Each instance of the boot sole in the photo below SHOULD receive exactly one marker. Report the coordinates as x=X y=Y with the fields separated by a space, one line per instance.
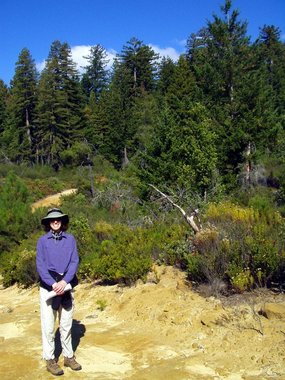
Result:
x=73 y=369
x=56 y=374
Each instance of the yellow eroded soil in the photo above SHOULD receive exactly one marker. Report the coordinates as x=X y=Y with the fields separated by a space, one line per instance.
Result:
x=162 y=331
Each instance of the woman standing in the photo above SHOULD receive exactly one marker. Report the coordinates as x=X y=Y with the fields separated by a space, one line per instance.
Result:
x=57 y=262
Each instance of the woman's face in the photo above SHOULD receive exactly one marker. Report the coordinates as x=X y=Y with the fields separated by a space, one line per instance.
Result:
x=55 y=225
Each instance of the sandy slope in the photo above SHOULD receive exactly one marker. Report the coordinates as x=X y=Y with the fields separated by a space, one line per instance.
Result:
x=162 y=331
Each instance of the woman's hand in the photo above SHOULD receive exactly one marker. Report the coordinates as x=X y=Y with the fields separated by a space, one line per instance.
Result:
x=58 y=287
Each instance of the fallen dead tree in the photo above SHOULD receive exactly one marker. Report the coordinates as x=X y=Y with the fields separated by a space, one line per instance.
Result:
x=189 y=218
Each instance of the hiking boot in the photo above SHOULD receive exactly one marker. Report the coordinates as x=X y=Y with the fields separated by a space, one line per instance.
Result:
x=54 y=368
x=72 y=363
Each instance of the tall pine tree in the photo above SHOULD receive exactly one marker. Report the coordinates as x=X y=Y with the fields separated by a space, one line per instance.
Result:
x=219 y=58
x=269 y=54
x=60 y=106
x=19 y=133
x=133 y=77
x=141 y=61
x=95 y=77
x=3 y=116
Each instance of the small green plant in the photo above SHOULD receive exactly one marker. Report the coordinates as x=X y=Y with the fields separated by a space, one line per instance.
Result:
x=242 y=281
x=102 y=304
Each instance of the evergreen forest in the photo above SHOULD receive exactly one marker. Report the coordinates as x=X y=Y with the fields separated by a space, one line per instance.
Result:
x=208 y=130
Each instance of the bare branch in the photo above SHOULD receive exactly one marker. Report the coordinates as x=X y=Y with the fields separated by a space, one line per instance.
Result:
x=189 y=218
x=6 y=159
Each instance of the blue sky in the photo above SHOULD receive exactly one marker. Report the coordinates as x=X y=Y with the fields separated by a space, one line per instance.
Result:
x=163 y=24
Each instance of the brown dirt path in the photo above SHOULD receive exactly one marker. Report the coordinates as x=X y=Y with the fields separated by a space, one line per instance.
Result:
x=162 y=331
x=52 y=200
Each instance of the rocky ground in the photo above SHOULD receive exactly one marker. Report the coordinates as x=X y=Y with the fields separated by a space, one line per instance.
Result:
x=160 y=330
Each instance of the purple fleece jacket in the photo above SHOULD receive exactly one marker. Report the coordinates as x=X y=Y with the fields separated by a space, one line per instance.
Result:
x=59 y=256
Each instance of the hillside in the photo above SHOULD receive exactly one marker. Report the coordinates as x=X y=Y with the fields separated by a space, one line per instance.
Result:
x=151 y=331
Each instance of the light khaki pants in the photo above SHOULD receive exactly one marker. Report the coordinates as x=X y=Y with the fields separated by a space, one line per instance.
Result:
x=48 y=318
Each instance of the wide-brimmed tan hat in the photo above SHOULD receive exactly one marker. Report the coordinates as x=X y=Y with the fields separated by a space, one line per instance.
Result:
x=55 y=213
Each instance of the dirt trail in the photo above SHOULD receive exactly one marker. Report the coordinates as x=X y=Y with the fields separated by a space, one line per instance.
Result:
x=52 y=200
x=162 y=331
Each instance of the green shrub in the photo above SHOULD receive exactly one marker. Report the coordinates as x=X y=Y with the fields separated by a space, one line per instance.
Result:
x=86 y=268
x=26 y=271
x=19 y=267
x=16 y=218
x=241 y=279
x=83 y=234
x=171 y=244
x=126 y=254
x=194 y=267
x=122 y=254
x=262 y=203
x=103 y=230
x=244 y=247
x=211 y=254
x=8 y=268
x=125 y=258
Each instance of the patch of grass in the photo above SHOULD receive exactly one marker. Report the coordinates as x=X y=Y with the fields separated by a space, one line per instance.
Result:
x=102 y=304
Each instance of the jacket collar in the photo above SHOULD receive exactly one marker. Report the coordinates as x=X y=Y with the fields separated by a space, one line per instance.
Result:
x=49 y=235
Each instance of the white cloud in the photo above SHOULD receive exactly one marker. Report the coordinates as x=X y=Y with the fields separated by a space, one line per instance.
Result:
x=169 y=52
x=111 y=55
x=40 y=65
x=78 y=53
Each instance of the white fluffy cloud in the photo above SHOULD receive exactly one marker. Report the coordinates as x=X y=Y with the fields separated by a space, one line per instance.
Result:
x=169 y=52
x=79 y=52
x=40 y=65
